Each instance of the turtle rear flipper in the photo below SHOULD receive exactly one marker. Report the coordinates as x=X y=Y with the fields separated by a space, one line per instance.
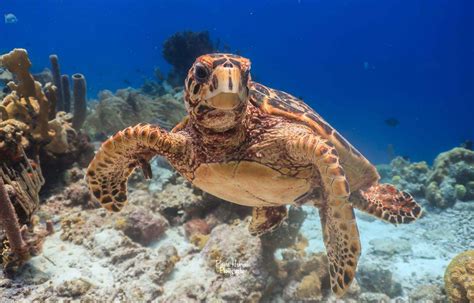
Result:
x=386 y=202
x=266 y=219
x=341 y=238
x=132 y=147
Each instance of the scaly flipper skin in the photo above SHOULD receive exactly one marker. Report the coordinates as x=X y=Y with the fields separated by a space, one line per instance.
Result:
x=132 y=147
x=386 y=202
x=266 y=219
x=341 y=237
x=340 y=232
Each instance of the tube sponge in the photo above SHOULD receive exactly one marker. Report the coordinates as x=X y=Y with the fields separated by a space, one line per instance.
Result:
x=57 y=81
x=9 y=222
x=66 y=93
x=80 y=105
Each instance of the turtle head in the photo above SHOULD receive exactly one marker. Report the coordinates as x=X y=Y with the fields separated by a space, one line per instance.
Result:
x=216 y=91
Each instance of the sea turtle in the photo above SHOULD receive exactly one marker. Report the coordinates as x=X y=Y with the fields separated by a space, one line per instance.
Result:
x=259 y=147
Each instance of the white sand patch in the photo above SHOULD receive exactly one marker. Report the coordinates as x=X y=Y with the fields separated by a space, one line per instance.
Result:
x=174 y=236
x=63 y=261
x=191 y=270
x=430 y=246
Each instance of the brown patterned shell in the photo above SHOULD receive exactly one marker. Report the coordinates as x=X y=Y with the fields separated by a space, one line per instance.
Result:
x=361 y=173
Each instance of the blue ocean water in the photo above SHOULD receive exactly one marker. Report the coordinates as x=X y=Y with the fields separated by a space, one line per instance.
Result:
x=357 y=63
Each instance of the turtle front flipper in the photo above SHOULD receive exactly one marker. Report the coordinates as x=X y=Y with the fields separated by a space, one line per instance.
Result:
x=340 y=232
x=386 y=202
x=266 y=219
x=116 y=159
x=341 y=238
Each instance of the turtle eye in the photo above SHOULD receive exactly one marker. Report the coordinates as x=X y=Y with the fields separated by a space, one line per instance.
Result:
x=201 y=73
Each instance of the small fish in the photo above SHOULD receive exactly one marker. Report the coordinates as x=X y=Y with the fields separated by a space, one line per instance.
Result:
x=368 y=66
x=10 y=18
x=127 y=82
x=392 y=122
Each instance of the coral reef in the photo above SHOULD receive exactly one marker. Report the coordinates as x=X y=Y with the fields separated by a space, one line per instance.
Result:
x=452 y=178
x=43 y=77
x=29 y=117
x=410 y=177
x=31 y=128
x=181 y=49
x=459 y=278
x=113 y=112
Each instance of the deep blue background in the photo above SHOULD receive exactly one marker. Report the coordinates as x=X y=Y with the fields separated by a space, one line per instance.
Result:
x=419 y=53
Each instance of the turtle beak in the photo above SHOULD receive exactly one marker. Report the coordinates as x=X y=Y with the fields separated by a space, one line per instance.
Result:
x=228 y=91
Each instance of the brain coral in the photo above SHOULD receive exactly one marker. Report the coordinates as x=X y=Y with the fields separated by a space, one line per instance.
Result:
x=459 y=278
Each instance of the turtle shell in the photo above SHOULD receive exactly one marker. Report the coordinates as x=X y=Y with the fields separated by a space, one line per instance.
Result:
x=360 y=172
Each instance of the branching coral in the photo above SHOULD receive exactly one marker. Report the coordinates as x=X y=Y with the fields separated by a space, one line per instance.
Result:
x=459 y=278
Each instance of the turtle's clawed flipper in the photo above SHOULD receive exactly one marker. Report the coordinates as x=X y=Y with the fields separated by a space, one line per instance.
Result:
x=133 y=147
x=341 y=238
x=386 y=202
x=266 y=219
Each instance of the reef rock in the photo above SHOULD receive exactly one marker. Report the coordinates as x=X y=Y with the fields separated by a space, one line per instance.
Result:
x=236 y=257
x=141 y=225
x=304 y=278
x=78 y=194
x=372 y=278
x=410 y=177
x=114 y=112
x=452 y=178
x=428 y=293
x=73 y=288
x=371 y=297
